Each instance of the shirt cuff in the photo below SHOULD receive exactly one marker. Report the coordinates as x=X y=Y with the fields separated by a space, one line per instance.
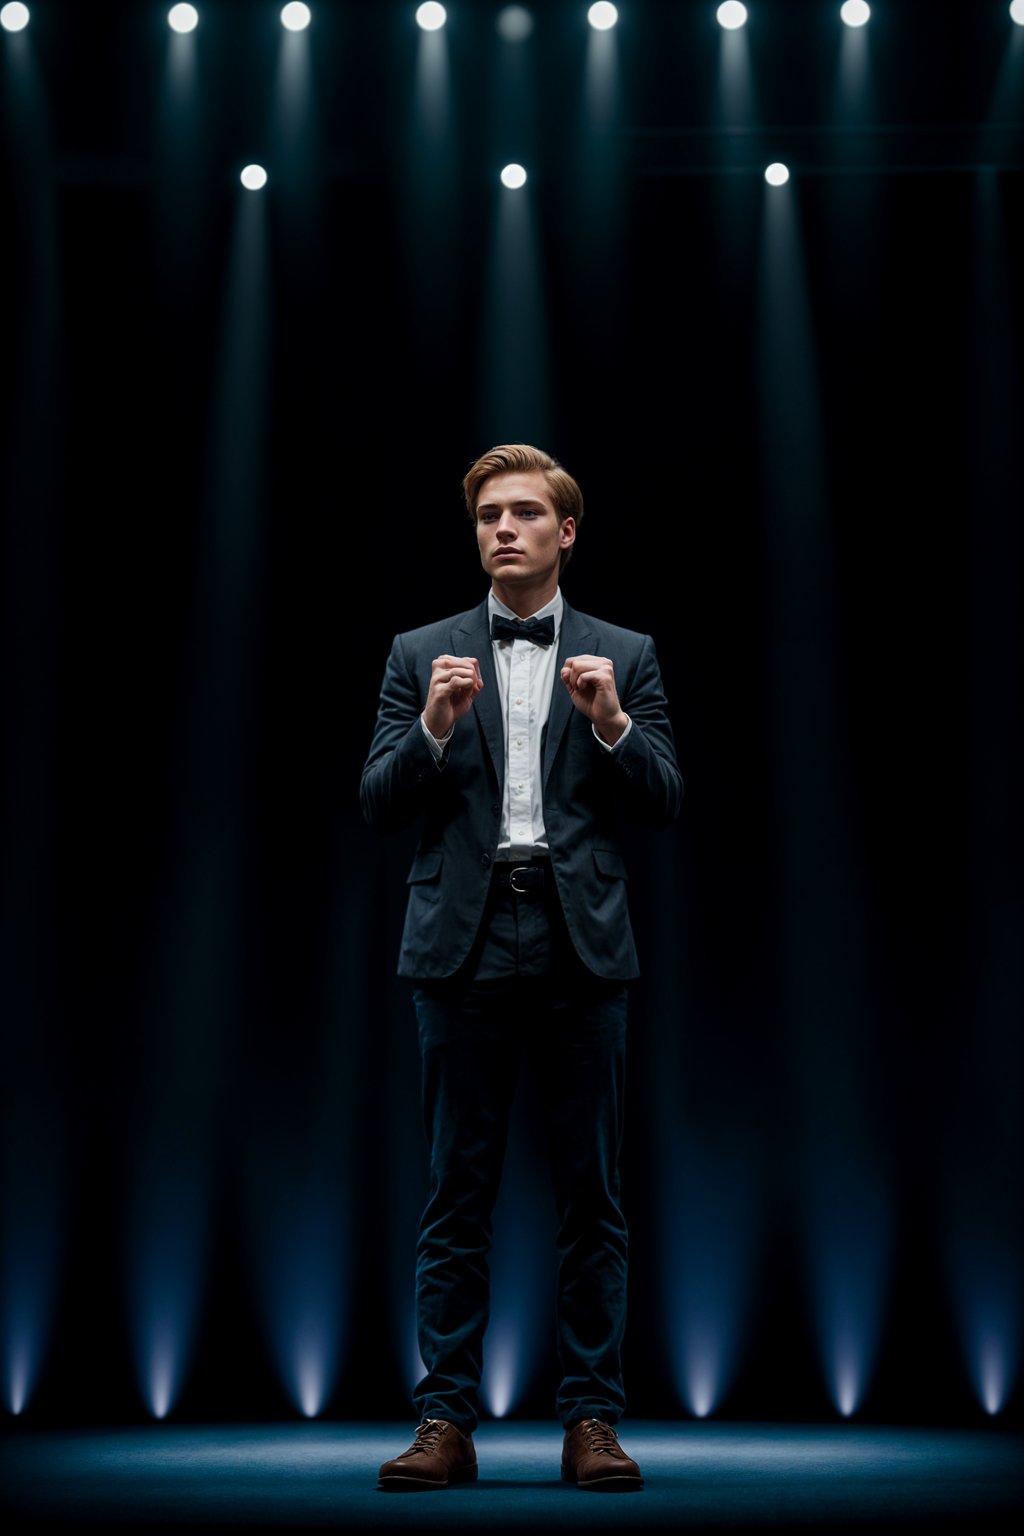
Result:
x=602 y=744
x=436 y=747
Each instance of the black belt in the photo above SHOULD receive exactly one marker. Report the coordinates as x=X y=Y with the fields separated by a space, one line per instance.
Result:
x=523 y=877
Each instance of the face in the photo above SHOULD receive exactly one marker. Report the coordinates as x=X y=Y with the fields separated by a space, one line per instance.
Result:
x=518 y=532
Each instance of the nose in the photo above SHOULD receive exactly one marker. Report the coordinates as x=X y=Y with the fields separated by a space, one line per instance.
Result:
x=505 y=527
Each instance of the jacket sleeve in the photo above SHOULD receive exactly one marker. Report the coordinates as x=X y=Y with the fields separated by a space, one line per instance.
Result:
x=649 y=783
x=400 y=773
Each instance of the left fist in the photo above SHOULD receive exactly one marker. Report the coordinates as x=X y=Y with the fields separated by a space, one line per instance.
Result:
x=591 y=684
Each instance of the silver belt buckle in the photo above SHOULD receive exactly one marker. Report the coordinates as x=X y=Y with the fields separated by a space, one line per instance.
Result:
x=520 y=890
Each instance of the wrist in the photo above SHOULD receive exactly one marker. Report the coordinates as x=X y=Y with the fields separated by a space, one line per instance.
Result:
x=611 y=730
x=439 y=729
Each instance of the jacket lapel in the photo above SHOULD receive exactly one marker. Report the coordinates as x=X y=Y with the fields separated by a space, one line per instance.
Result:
x=574 y=639
x=472 y=637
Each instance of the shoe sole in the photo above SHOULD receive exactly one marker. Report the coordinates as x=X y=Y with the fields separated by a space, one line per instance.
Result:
x=605 y=1484
x=426 y=1485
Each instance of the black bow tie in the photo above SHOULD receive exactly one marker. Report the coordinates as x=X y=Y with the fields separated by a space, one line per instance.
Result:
x=540 y=631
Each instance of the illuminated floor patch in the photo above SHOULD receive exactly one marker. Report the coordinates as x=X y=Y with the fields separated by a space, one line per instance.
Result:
x=700 y=1477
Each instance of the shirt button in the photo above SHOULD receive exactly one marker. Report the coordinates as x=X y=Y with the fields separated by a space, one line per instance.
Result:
x=519 y=701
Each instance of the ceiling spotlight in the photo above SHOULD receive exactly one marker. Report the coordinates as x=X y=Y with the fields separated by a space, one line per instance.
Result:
x=430 y=16
x=514 y=23
x=296 y=17
x=777 y=174
x=855 y=12
x=253 y=177
x=513 y=176
x=14 y=18
x=183 y=18
x=602 y=16
x=731 y=15
x=1016 y=11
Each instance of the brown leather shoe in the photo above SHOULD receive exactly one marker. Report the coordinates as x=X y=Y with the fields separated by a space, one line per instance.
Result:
x=593 y=1458
x=440 y=1454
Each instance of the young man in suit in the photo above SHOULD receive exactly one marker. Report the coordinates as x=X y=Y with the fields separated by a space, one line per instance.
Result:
x=519 y=733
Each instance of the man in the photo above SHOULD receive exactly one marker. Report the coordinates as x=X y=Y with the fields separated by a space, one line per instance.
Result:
x=519 y=732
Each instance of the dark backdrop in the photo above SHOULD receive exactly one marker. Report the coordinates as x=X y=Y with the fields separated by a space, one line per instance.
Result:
x=235 y=430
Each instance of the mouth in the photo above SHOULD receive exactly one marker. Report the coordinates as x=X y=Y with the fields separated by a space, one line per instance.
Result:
x=507 y=554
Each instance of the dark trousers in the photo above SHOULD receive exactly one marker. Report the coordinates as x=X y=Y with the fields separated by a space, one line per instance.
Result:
x=524 y=991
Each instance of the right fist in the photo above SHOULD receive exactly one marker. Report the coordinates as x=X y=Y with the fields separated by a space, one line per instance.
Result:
x=455 y=682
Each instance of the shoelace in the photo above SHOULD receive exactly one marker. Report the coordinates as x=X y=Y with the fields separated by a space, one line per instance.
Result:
x=600 y=1437
x=428 y=1434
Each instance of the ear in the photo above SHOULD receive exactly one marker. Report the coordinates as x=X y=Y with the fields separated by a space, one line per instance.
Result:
x=567 y=533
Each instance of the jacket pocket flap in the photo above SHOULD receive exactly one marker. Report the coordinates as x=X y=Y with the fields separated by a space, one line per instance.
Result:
x=425 y=866
x=610 y=862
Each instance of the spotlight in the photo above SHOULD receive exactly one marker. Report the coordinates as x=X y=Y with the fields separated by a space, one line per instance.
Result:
x=777 y=174
x=703 y=1352
x=991 y=1375
x=160 y=1386
x=499 y=1376
x=513 y=176
x=14 y=18
x=253 y=177
x=602 y=16
x=310 y=1376
x=855 y=12
x=848 y=1373
x=430 y=16
x=1016 y=11
x=296 y=17
x=514 y=23
x=183 y=18
x=18 y=1374
x=731 y=15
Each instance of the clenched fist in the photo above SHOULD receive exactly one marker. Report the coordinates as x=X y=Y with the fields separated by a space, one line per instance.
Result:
x=455 y=682
x=591 y=684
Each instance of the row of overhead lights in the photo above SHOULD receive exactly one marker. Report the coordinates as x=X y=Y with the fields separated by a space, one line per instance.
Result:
x=514 y=22
x=513 y=176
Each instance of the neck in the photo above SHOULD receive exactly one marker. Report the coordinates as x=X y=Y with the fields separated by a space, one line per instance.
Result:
x=527 y=600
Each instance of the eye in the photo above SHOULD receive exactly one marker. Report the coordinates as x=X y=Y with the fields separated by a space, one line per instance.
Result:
x=486 y=517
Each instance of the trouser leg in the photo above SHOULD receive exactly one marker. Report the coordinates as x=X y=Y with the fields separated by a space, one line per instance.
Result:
x=469 y=1058
x=581 y=1077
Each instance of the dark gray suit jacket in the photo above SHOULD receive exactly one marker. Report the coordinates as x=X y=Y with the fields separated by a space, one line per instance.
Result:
x=584 y=790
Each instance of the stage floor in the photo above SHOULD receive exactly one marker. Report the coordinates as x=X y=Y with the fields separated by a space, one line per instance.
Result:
x=699 y=1477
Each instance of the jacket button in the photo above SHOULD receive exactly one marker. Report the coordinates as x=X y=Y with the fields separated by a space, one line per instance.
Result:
x=485 y=860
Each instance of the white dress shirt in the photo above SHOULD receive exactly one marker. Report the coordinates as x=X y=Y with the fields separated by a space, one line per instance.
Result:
x=526 y=675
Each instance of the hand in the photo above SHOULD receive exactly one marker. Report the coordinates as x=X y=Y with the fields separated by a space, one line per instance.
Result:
x=591 y=684
x=455 y=682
